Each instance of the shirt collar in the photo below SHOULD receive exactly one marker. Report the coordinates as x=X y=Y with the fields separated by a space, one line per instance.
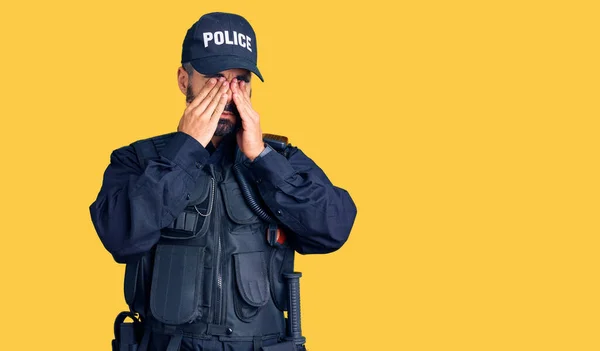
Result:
x=226 y=148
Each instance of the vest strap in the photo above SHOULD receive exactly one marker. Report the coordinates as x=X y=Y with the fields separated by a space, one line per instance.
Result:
x=145 y=340
x=175 y=342
x=196 y=329
x=284 y=346
x=257 y=343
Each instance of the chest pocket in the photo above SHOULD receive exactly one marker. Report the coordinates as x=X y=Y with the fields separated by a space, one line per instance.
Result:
x=195 y=218
x=236 y=206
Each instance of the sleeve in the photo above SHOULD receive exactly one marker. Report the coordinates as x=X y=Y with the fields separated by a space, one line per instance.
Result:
x=134 y=203
x=319 y=214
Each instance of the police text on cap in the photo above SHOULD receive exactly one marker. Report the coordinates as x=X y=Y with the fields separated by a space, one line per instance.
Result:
x=220 y=38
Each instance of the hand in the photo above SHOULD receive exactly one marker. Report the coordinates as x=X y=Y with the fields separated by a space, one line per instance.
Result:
x=249 y=137
x=201 y=116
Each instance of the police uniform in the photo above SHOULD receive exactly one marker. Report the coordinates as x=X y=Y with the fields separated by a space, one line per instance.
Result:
x=207 y=235
x=201 y=255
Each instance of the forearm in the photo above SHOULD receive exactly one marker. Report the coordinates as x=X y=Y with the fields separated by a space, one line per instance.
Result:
x=298 y=192
x=134 y=204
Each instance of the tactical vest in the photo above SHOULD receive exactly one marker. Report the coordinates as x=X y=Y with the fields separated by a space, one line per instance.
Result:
x=213 y=271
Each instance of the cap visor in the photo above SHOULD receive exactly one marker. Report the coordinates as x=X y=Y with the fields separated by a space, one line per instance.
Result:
x=216 y=64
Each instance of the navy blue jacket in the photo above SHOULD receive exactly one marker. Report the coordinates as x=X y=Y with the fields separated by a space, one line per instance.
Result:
x=134 y=203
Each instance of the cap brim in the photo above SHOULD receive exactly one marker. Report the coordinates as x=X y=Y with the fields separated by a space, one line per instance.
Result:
x=216 y=64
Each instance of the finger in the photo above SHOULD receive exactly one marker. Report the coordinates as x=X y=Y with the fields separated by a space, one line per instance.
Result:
x=234 y=85
x=215 y=101
x=215 y=93
x=240 y=86
x=210 y=109
x=241 y=105
x=245 y=100
x=208 y=92
x=245 y=91
x=209 y=86
x=240 y=92
x=219 y=108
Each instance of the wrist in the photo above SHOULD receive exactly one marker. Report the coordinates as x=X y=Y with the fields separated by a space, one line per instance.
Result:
x=252 y=155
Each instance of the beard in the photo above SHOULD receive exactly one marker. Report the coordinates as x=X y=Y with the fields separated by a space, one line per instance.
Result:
x=224 y=126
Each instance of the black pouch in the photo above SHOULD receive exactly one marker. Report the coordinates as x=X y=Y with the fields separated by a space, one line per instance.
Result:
x=136 y=284
x=127 y=335
x=195 y=219
x=253 y=290
x=176 y=291
x=236 y=206
x=281 y=261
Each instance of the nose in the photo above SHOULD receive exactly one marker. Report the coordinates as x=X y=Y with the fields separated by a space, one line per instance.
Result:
x=229 y=95
x=231 y=82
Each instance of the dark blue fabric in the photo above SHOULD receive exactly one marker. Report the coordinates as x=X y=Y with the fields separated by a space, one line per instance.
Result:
x=135 y=203
x=159 y=342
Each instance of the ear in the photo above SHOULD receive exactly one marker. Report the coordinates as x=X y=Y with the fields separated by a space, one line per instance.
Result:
x=182 y=80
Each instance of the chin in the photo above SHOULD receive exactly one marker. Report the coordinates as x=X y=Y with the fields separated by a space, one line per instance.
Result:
x=226 y=126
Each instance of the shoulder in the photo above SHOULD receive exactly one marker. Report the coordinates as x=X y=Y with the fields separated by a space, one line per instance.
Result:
x=280 y=143
x=137 y=151
x=154 y=140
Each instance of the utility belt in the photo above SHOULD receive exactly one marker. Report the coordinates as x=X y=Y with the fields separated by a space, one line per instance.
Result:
x=196 y=329
x=136 y=336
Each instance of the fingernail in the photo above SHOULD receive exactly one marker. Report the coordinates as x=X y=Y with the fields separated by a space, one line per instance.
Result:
x=212 y=81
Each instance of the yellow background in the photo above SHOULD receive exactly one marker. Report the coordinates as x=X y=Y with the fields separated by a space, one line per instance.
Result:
x=466 y=132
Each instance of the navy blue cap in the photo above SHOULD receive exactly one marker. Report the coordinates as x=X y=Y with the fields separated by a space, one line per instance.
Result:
x=220 y=41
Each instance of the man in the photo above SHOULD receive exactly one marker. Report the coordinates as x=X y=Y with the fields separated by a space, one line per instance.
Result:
x=208 y=218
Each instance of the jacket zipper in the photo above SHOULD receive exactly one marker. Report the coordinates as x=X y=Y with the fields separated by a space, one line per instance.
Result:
x=219 y=282
x=219 y=274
